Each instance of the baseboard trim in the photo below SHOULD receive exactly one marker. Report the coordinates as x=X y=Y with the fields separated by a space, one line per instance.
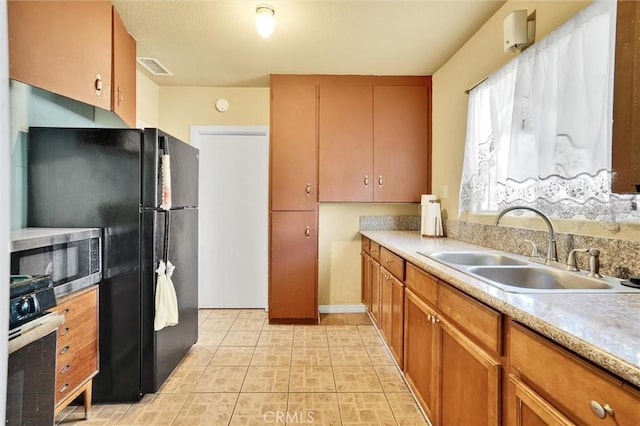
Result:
x=342 y=309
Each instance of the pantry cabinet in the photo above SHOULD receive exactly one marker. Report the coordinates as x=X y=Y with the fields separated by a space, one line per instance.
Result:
x=293 y=145
x=76 y=49
x=293 y=293
x=374 y=140
x=77 y=348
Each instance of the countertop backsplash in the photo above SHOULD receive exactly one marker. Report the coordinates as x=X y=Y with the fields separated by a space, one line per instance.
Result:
x=389 y=223
x=618 y=258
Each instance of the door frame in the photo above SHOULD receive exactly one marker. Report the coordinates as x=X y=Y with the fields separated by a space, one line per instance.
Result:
x=196 y=132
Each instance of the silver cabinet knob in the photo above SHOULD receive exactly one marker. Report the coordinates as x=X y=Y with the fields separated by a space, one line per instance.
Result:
x=366 y=180
x=380 y=180
x=307 y=232
x=308 y=189
x=98 y=84
x=599 y=411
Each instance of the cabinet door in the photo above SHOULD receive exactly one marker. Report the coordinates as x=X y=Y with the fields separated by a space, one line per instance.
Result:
x=63 y=47
x=345 y=143
x=469 y=381
x=366 y=280
x=293 y=292
x=420 y=362
x=526 y=408
x=401 y=143
x=386 y=301
x=123 y=93
x=293 y=147
x=374 y=303
x=397 y=320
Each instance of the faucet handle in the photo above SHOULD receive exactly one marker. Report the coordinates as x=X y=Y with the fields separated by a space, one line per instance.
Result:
x=594 y=263
x=571 y=259
x=534 y=248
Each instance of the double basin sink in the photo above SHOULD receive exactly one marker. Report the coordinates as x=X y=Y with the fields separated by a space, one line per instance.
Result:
x=513 y=274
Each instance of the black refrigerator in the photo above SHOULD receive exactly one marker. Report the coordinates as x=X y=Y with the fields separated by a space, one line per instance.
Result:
x=111 y=179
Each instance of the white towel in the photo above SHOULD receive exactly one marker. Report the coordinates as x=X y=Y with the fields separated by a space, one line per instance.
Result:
x=166 y=300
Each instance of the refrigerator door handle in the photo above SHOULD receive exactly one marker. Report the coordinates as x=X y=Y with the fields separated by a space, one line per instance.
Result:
x=167 y=229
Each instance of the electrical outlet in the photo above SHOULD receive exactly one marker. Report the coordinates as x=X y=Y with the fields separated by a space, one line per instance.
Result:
x=444 y=190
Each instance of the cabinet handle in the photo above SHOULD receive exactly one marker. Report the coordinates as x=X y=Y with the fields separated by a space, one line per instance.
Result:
x=307 y=232
x=380 y=180
x=64 y=350
x=387 y=261
x=64 y=331
x=64 y=369
x=600 y=411
x=308 y=189
x=430 y=317
x=98 y=84
x=65 y=312
x=120 y=97
x=63 y=387
x=366 y=180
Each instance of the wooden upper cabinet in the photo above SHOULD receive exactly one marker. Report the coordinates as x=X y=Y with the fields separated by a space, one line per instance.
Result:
x=123 y=94
x=401 y=143
x=63 y=47
x=345 y=143
x=293 y=146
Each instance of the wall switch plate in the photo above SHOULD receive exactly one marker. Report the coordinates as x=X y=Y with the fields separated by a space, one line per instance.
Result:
x=444 y=190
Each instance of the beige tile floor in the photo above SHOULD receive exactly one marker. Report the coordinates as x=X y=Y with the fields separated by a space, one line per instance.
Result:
x=244 y=371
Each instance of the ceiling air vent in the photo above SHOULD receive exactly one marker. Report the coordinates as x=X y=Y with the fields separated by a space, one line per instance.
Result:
x=154 y=66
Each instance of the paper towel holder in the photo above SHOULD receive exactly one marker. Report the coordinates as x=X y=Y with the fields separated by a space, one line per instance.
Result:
x=431 y=223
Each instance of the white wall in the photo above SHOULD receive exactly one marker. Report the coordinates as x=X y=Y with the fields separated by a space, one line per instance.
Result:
x=4 y=205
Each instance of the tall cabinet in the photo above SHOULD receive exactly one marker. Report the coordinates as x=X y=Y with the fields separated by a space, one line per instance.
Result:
x=293 y=283
x=340 y=139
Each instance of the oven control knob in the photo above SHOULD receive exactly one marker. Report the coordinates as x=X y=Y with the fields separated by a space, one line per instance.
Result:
x=26 y=307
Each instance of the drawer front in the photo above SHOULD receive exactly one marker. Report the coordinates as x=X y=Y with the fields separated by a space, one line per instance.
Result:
x=75 y=369
x=375 y=250
x=366 y=245
x=392 y=263
x=481 y=323
x=571 y=384
x=422 y=284
x=75 y=307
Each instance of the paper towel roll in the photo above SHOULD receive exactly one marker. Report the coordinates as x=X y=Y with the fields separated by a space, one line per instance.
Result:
x=431 y=224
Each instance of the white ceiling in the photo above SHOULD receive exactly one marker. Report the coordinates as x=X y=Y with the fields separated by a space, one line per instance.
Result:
x=215 y=43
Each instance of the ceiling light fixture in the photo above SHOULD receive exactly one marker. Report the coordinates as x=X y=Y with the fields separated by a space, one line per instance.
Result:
x=265 y=20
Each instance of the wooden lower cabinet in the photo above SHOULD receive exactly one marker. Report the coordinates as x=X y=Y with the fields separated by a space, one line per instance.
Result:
x=420 y=362
x=392 y=313
x=293 y=285
x=77 y=348
x=566 y=386
x=366 y=279
x=374 y=304
x=529 y=409
x=469 y=380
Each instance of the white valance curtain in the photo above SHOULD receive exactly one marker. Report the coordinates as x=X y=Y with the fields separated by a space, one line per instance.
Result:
x=539 y=129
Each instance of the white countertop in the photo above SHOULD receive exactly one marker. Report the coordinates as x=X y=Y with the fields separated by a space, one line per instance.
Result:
x=603 y=328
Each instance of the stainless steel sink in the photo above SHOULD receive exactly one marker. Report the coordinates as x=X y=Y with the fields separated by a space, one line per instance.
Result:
x=472 y=258
x=535 y=278
x=513 y=273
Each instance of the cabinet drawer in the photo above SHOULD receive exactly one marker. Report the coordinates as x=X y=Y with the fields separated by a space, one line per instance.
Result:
x=392 y=262
x=422 y=284
x=570 y=383
x=75 y=307
x=375 y=250
x=75 y=369
x=479 y=322
x=366 y=244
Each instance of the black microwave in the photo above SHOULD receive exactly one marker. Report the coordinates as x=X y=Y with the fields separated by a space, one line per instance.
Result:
x=71 y=256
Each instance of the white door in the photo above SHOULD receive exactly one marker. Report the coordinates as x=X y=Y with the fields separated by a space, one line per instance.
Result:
x=233 y=225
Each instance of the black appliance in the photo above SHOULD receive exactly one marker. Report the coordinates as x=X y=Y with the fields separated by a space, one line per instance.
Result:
x=111 y=179
x=31 y=373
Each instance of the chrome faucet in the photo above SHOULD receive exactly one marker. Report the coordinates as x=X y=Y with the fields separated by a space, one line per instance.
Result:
x=594 y=261
x=552 y=255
